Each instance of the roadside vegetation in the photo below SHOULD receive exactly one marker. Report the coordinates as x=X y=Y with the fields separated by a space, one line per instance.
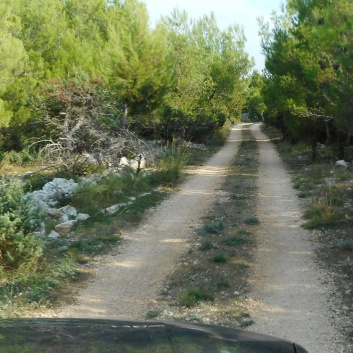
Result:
x=37 y=271
x=84 y=87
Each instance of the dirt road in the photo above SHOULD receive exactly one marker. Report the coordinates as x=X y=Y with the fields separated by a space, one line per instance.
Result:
x=292 y=295
x=127 y=282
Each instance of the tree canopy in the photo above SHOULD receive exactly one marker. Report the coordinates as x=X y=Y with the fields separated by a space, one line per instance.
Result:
x=308 y=75
x=182 y=69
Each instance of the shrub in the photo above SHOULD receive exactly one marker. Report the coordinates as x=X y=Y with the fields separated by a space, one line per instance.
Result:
x=214 y=228
x=346 y=244
x=169 y=167
x=208 y=245
x=251 y=221
x=234 y=241
x=20 y=249
x=321 y=214
x=220 y=258
x=193 y=295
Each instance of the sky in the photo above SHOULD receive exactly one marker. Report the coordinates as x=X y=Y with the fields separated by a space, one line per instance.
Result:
x=227 y=12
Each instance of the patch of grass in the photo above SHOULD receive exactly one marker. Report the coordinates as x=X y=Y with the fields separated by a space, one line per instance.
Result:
x=344 y=175
x=321 y=214
x=345 y=244
x=304 y=194
x=169 y=168
x=252 y=221
x=220 y=284
x=247 y=323
x=220 y=258
x=243 y=232
x=152 y=315
x=214 y=228
x=192 y=296
x=208 y=245
x=285 y=148
x=234 y=241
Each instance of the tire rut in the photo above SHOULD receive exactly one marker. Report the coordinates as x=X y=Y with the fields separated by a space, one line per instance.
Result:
x=293 y=295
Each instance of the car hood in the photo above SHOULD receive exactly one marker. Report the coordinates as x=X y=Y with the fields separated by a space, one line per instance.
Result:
x=108 y=336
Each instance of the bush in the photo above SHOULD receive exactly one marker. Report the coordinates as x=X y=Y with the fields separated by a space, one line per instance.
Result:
x=220 y=258
x=20 y=249
x=169 y=167
x=17 y=158
x=192 y=296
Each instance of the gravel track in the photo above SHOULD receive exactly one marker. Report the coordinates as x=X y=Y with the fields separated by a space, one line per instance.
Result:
x=292 y=294
x=126 y=283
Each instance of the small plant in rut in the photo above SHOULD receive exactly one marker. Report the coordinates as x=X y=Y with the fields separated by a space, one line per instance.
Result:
x=251 y=221
x=193 y=295
x=220 y=258
x=234 y=241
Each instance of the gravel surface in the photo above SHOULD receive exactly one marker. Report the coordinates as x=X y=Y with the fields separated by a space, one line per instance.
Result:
x=126 y=283
x=292 y=295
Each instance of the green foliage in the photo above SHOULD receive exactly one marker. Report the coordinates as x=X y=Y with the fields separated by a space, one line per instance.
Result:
x=214 y=228
x=252 y=221
x=191 y=66
x=193 y=295
x=308 y=71
x=321 y=214
x=152 y=315
x=255 y=105
x=17 y=158
x=169 y=166
x=220 y=258
x=210 y=68
x=20 y=249
x=112 y=189
x=208 y=245
x=234 y=241
x=346 y=244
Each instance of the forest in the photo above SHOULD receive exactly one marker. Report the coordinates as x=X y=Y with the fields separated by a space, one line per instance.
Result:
x=307 y=83
x=70 y=64
x=83 y=77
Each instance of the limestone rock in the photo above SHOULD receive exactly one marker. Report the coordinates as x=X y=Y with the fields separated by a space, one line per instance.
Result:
x=53 y=234
x=82 y=217
x=342 y=164
x=65 y=227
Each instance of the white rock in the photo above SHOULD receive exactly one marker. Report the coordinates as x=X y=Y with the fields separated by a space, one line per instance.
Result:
x=65 y=227
x=60 y=187
x=342 y=163
x=69 y=210
x=55 y=213
x=134 y=164
x=82 y=217
x=112 y=209
x=124 y=161
x=53 y=234
x=64 y=218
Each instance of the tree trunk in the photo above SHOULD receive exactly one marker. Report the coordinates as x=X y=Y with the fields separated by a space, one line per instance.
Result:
x=327 y=131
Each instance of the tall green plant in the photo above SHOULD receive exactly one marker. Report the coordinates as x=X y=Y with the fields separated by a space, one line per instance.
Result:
x=20 y=249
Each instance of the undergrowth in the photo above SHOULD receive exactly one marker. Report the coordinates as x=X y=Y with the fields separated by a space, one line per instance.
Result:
x=34 y=270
